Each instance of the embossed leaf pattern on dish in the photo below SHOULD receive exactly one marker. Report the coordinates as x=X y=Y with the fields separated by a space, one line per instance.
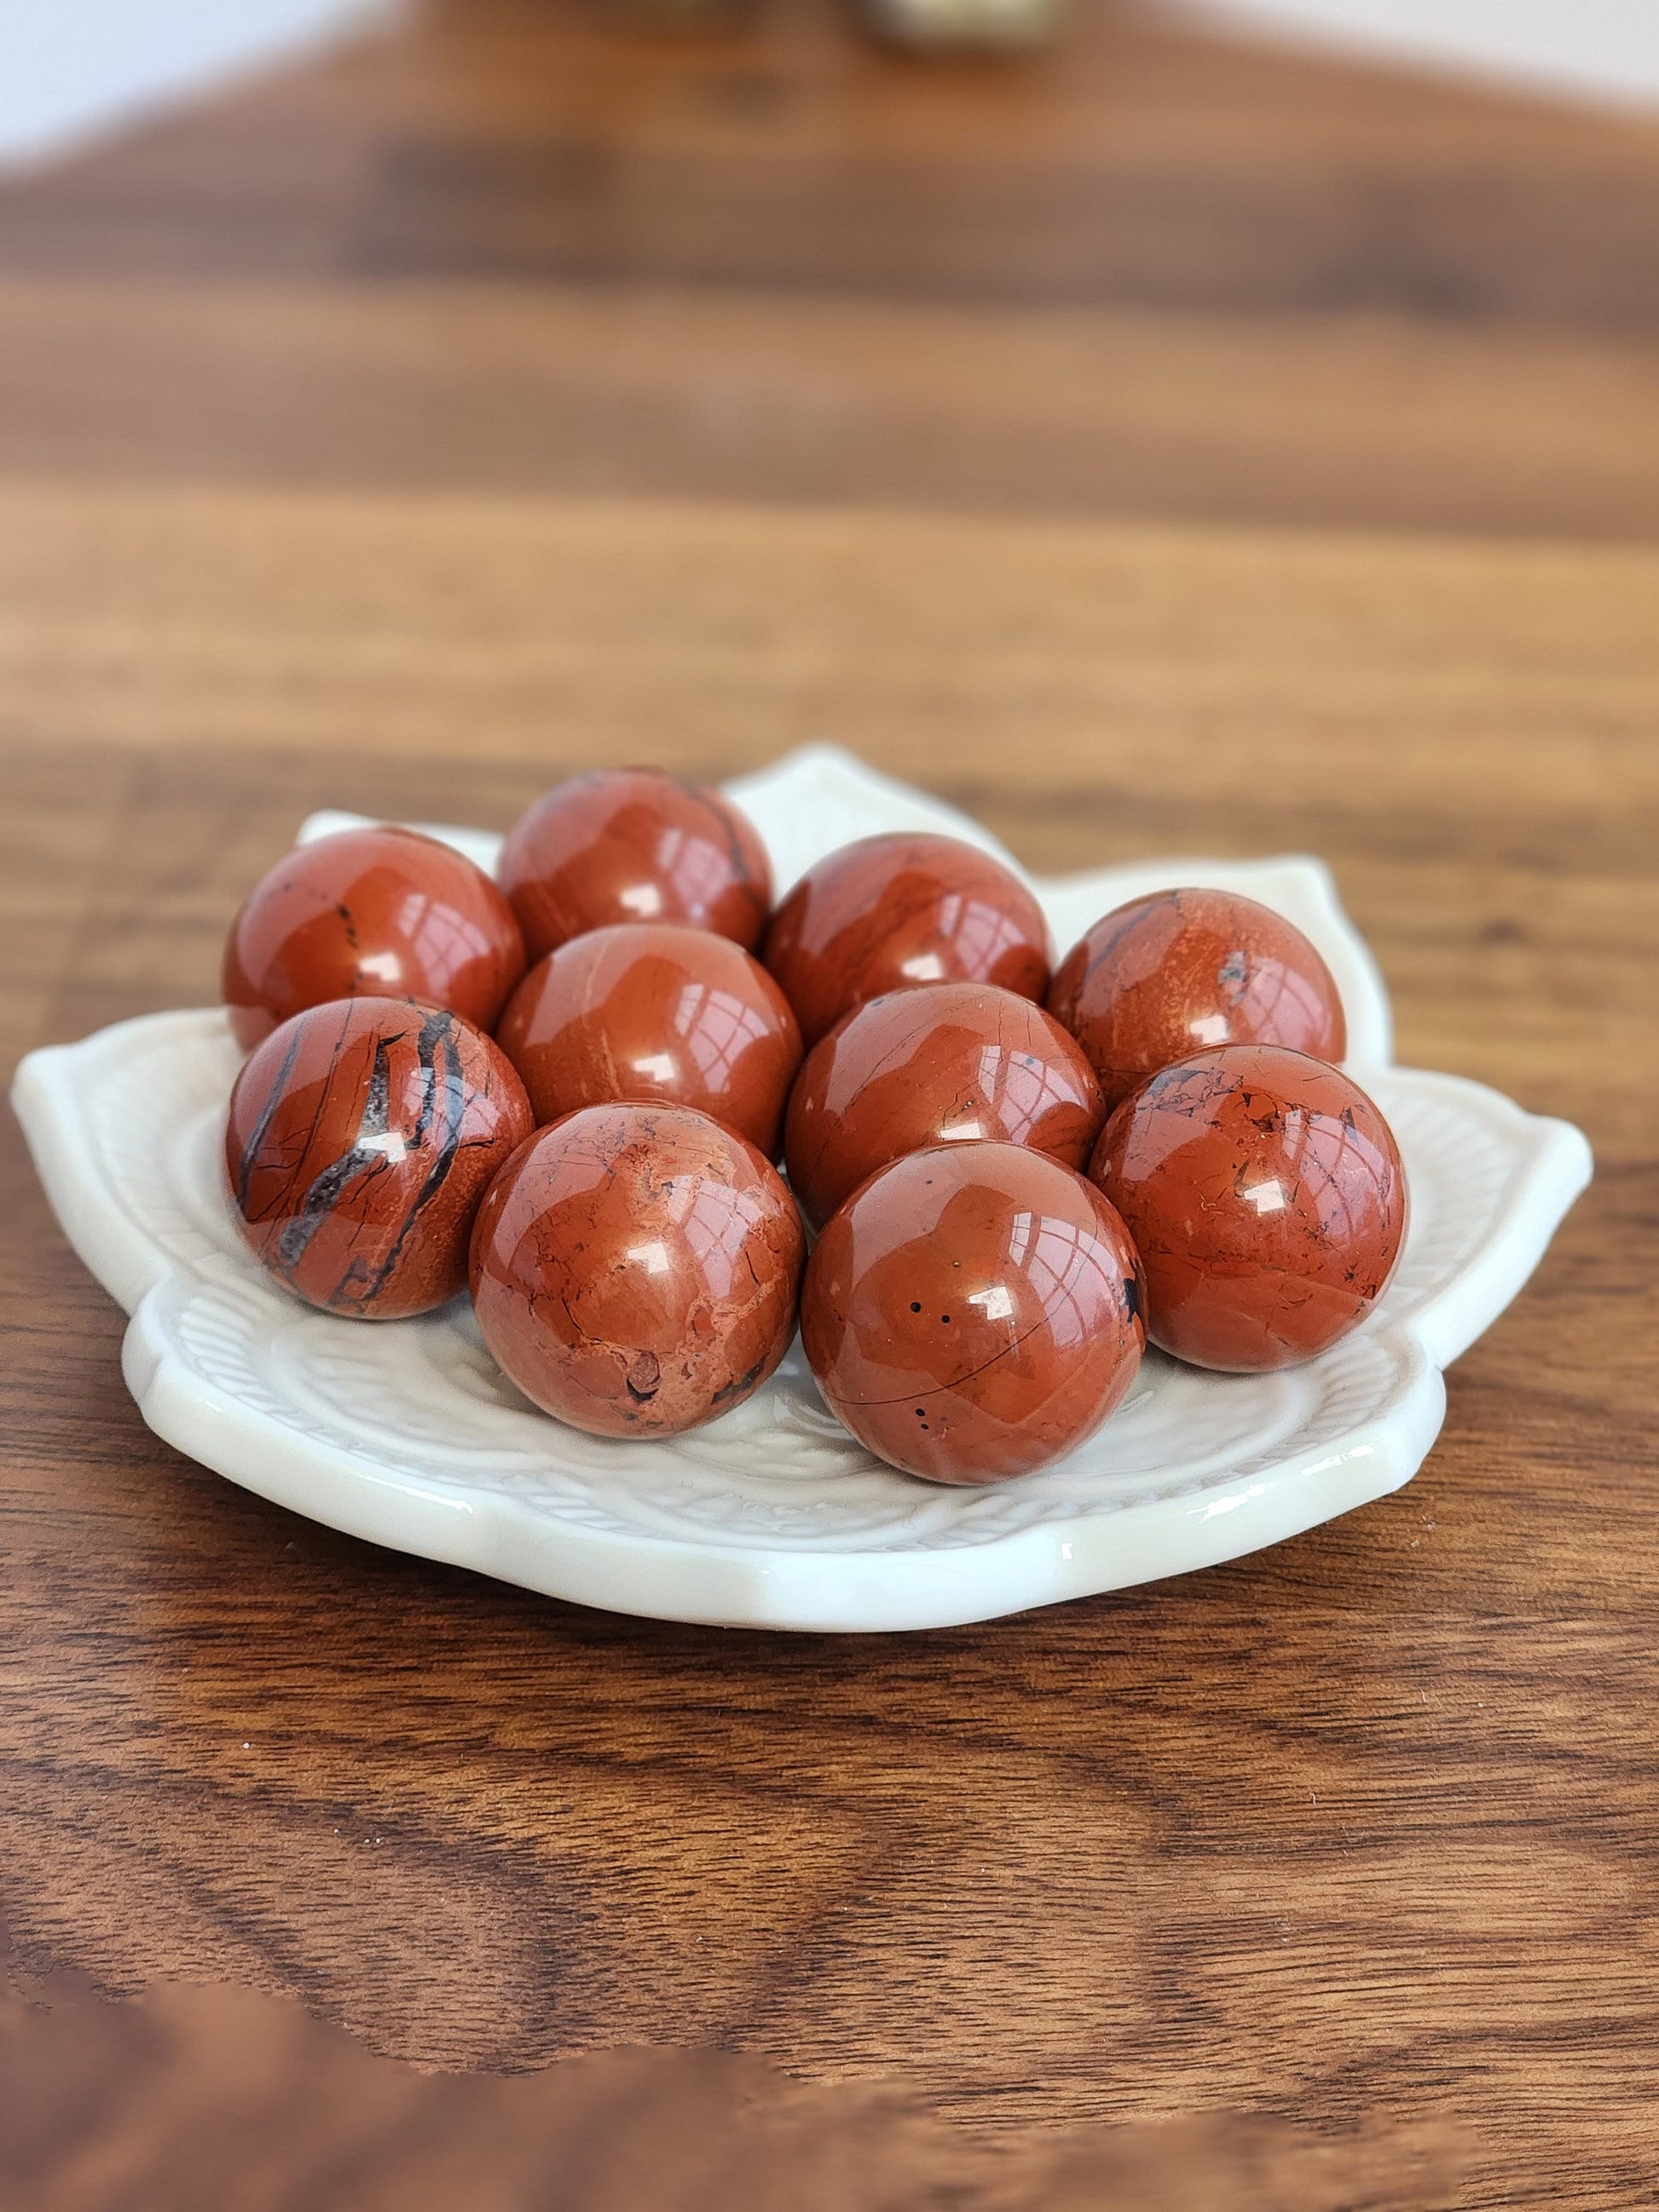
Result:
x=406 y=1433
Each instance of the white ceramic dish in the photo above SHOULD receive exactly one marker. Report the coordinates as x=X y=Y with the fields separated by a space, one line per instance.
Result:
x=406 y=1433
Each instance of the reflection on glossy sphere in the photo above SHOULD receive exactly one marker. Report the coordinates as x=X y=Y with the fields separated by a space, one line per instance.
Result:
x=383 y=913
x=361 y=1138
x=648 y=1011
x=634 y=1269
x=973 y=1311
x=1171 y=974
x=944 y=1062
x=1266 y=1196
x=634 y=845
x=900 y=908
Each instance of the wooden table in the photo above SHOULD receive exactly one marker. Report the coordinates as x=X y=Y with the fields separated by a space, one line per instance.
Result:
x=1163 y=445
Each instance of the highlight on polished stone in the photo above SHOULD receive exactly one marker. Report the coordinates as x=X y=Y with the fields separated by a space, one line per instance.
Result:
x=973 y=1312
x=1266 y=1196
x=650 y=1010
x=1180 y=971
x=361 y=1139
x=905 y=906
x=633 y=844
x=938 y=1063
x=377 y=912
x=634 y=1269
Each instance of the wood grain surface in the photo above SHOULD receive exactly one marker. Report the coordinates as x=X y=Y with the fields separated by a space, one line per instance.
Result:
x=189 y=2098
x=1164 y=446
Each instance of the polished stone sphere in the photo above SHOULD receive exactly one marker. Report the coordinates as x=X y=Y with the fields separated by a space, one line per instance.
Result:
x=939 y=1063
x=1171 y=974
x=652 y=1011
x=361 y=1138
x=379 y=912
x=1266 y=1196
x=900 y=908
x=633 y=844
x=634 y=1269
x=973 y=1312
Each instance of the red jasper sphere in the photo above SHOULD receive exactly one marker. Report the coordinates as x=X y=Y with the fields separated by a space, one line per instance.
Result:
x=973 y=1312
x=941 y=1063
x=634 y=1269
x=362 y=1138
x=1183 y=970
x=649 y=1012
x=633 y=844
x=900 y=908
x=383 y=913
x=1266 y=1199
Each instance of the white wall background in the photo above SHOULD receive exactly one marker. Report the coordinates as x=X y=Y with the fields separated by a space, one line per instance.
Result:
x=70 y=67
x=1605 y=48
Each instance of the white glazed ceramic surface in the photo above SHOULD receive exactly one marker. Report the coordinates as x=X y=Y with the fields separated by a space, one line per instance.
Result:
x=406 y=1433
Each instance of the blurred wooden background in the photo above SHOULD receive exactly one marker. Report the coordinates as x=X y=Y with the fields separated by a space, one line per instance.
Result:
x=1162 y=445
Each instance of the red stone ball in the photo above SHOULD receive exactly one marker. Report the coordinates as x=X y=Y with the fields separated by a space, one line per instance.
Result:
x=1266 y=1196
x=652 y=1011
x=634 y=1269
x=362 y=1136
x=382 y=913
x=1174 y=974
x=634 y=844
x=943 y=1063
x=900 y=909
x=973 y=1312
